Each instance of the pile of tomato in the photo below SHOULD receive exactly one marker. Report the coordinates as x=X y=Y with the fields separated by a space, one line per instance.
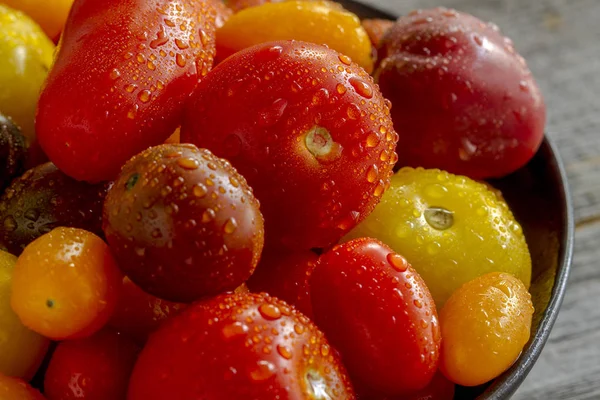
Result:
x=258 y=200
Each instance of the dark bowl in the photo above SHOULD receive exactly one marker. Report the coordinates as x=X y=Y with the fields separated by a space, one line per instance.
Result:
x=539 y=197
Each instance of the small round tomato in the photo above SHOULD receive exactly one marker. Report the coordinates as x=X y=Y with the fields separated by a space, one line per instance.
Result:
x=138 y=313
x=376 y=29
x=307 y=128
x=94 y=368
x=44 y=198
x=239 y=346
x=377 y=312
x=451 y=229
x=338 y=28
x=65 y=284
x=13 y=152
x=464 y=99
x=485 y=325
x=183 y=224
x=21 y=349
x=285 y=275
x=17 y=389
x=440 y=388
x=50 y=15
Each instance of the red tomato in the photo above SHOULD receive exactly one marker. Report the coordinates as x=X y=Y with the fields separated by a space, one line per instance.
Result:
x=285 y=275
x=138 y=313
x=239 y=346
x=376 y=310
x=465 y=98
x=307 y=128
x=119 y=81
x=94 y=368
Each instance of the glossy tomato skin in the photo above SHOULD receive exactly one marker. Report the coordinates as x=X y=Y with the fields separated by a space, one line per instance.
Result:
x=286 y=274
x=239 y=346
x=138 y=313
x=311 y=134
x=121 y=76
x=183 y=224
x=376 y=310
x=44 y=198
x=94 y=368
x=463 y=97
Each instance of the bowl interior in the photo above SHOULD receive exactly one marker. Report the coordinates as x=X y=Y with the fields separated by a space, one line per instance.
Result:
x=539 y=197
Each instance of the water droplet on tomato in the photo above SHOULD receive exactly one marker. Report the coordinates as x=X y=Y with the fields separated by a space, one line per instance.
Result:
x=141 y=58
x=32 y=214
x=114 y=74
x=188 y=163
x=130 y=88
x=269 y=311
x=133 y=111
x=208 y=215
x=262 y=371
x=372 y=140
x=230 y=226
x=10 y=224
x=144 y=96
x=180 y=60
x=398 y=262
x=181 y=44
x=284 y=352
x=478 y=39
x=372 y=173
x=204 y=38
x=272 y=114
x=439 y=218
x=362 y=88
x=235 y=329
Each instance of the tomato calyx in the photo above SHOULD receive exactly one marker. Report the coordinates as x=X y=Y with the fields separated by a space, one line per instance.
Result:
x=321 y=145
x=132 y=181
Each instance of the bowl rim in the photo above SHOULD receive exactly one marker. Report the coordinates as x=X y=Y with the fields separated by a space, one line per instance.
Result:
x=504 y=386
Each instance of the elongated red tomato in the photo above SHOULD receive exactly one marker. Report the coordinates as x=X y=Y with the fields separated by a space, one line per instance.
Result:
x=118 y=84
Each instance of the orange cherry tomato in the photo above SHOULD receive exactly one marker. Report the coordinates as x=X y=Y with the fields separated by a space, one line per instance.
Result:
x=319 y=22
x=65 y=284
x=485 y=325
x=17 y=389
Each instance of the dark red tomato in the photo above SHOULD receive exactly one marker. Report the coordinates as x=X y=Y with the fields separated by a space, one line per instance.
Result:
x=183 y=224
x=285 y=274
x=94 y=368
x=307 y=128
x=138 y=313
x=121 y=76
x=377 y=311
x=439 y=388
x=44 y=198
x=376 y=29
x=239 y=346
x=464 y=98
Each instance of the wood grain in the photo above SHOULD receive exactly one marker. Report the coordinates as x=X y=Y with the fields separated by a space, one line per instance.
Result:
x=561 y=41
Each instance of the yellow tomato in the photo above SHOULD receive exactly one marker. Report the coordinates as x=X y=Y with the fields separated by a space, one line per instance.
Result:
x=51 y=15
x=485 y=325
x=21 y=350
x=319 y=22
x=17 y=389
x=25 y=57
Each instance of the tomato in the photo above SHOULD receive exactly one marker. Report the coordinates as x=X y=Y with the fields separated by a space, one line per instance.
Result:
x=440 y=388
x=237 y=5
x=376 y=29
x=451 y=229
x=183 y=224
x=65 y=284
x=44 y=198
x=94 y=368
x=17 y=389
x=307 y=128
x=485 y=325
x=285 y=275
x=13 y=151
x=339 y=29
x=138 y=313
x=50 y=15
x=465 y=98
x=26 y=55
x=223 y=12
x=376 y=310
x=22 y=349
x=239 y=346
x=121 y=76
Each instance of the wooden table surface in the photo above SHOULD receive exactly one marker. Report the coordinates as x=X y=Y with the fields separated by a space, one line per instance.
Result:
x=561 y=41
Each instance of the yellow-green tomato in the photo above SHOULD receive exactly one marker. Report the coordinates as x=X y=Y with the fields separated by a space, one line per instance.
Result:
x=25 y=57
x=450 y=228
x=21 y=350
x=485 y=325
